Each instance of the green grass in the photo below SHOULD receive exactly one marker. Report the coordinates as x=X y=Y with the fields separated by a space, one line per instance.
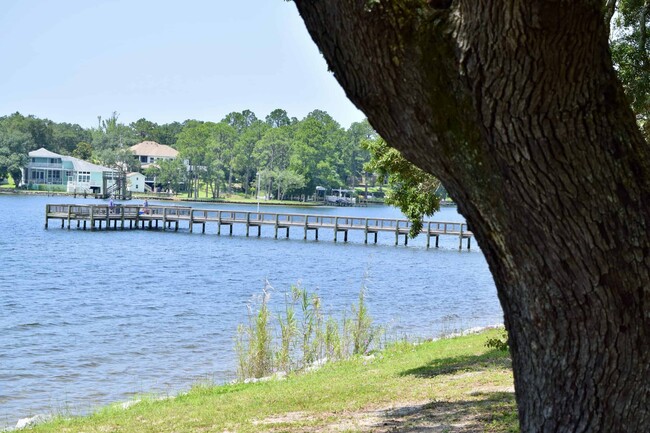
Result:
x=446 y=383
x=8 y=182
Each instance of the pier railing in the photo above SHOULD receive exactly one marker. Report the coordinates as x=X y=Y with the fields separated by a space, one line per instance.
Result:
x=168 y=217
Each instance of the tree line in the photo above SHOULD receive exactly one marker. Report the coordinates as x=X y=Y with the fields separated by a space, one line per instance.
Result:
x=281 y=153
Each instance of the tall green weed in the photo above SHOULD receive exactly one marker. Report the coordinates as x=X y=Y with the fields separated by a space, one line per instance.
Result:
x=301 y=334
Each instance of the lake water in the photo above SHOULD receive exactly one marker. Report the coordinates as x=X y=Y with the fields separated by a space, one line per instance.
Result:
x=93 y=317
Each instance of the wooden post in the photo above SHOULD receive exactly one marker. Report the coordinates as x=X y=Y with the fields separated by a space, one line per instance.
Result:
x=191 y=220
x=336 y=228
x=276 y=225
x=365 y=231
x=122 y=217
x=92 y=217
x=218 y=222
x=396 y=232
x=69 y=215
x=248 y=223
x=305 y=237
x=164 y=219
x=47 y=211
x=428 y=234
x=460 y=238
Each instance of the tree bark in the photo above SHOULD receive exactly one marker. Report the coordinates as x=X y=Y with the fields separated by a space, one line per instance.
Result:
x=515 y=106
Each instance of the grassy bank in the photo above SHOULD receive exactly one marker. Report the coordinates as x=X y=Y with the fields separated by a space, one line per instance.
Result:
x=449 y=385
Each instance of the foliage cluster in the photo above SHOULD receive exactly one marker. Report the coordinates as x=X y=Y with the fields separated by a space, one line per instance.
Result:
x=301 y=335
x=414 y=191
x=630 y=31
x=282 y=154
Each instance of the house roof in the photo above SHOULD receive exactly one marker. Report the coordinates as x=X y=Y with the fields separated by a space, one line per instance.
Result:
x=43 y=153
x=77 y=164
x=151 y=148
x=135 y=173
x=81 y=165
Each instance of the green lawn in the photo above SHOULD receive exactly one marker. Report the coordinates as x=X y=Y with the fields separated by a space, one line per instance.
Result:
x=449 y=385
x=9 y=182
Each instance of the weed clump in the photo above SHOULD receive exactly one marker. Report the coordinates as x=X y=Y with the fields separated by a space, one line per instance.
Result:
x=499 y=343
x=300 y=336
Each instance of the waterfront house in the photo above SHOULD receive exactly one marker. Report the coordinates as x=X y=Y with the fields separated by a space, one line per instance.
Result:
x=136 y=182
x=50 y=171
x=150 y=153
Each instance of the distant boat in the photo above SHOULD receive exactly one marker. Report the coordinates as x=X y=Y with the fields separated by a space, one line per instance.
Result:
x=341 y=197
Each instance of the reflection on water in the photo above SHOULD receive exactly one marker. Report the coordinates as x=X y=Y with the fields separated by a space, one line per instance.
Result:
x=88 y=318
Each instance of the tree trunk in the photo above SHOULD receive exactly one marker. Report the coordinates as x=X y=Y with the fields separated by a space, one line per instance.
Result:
x=515 y=106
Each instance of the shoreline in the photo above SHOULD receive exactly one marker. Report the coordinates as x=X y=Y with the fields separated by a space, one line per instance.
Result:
x=374 y=202
x=42 y=418
x=14 y=191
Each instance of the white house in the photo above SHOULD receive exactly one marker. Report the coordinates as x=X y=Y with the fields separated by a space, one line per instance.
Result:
x=135 y=182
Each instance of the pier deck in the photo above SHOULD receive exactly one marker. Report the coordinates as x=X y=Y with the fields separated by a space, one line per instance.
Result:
x=96 y=217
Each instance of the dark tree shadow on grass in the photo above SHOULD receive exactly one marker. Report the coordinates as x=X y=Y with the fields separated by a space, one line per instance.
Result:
x=494 y=412
x=436 y=367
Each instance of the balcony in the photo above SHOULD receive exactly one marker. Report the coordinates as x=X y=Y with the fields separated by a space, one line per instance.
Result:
x=57 y=166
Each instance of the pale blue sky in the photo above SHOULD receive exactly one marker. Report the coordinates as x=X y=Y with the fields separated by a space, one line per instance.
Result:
x=74 y=60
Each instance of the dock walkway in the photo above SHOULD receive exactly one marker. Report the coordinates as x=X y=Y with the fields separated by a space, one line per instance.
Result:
x=97 y=217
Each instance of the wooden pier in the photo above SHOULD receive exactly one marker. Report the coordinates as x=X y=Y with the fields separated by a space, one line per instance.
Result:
x=98 y=217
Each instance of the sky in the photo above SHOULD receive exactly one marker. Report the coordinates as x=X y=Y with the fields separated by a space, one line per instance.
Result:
x=74 y=60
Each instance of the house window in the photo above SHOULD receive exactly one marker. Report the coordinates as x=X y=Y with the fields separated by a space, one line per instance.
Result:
x=38 y=176
x=83 y=176
x=143 y=159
